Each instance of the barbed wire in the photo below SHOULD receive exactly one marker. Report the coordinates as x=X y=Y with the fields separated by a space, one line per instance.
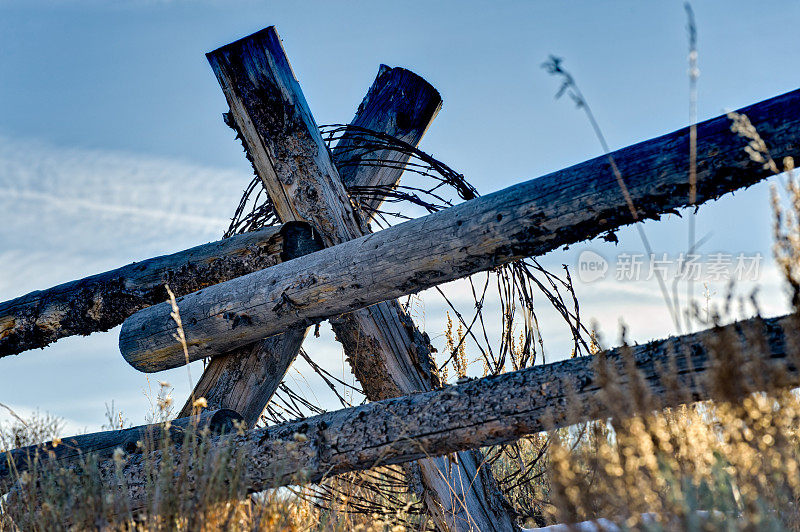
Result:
x=429 y=186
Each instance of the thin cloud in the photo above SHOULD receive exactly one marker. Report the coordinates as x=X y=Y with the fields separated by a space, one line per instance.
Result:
x=75 y=204
x=113 y=204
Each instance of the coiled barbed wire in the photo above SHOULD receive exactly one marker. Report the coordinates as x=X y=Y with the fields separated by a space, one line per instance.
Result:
x=429 y=186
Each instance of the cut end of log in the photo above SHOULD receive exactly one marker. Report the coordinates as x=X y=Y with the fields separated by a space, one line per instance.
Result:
x=407 y=99
x=253 y=36
x=150 y=360
x=224 y=421
x=299 y=238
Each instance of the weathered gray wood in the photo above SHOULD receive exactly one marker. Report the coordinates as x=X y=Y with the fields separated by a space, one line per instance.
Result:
x=527 y=219
x=246 y=378
x=281 y=136
x=400 y=104
x=103 y=301
x=397 y=360
x=101 y=445
x=289 y=155
x=744 y=357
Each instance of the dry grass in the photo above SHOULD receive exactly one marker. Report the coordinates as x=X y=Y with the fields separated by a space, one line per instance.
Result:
x=729 y=464
x=732 y=463
x=48 y=496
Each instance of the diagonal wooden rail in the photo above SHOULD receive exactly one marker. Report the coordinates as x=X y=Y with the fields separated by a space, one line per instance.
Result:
x=298 y=172
x=747 y=356
x=80 y=307
x=527 y=219
x=400 y=104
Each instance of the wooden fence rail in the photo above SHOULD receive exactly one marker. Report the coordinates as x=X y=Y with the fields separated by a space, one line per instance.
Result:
x=102 y=445
x=103 y=301
x=505 y=407
x=531 y=218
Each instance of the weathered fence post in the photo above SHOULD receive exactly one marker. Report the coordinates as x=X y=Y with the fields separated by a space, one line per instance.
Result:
x=297 y=170
x=400 y=104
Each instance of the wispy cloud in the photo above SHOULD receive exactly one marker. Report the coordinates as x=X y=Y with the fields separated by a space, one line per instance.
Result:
x=66 y=213
x=86 y=208
x=67 y=207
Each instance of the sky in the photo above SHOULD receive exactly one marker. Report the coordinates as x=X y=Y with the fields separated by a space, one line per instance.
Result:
x=112 y=147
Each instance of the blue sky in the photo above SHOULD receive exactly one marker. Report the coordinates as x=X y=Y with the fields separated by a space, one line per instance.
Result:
x=112 y=148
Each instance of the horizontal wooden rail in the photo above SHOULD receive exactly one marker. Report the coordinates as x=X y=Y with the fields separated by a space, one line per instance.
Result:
x=102 y=445
x=528 y=219
x=103 y=301
x=745 y=357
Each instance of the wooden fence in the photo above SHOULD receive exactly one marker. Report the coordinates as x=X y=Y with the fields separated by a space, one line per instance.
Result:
x=248 y=301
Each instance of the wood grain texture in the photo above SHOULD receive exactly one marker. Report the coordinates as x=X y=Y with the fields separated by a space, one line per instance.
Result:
x=288 y=152
x=399 y=103
x=246 y=378
x=298 y=172
x=103 y=301
x=101 y=445
x=527 y=219
x=755 y=354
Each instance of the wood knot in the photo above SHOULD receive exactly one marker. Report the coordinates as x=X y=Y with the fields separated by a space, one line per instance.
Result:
x=286 y=304
x=237 y=319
